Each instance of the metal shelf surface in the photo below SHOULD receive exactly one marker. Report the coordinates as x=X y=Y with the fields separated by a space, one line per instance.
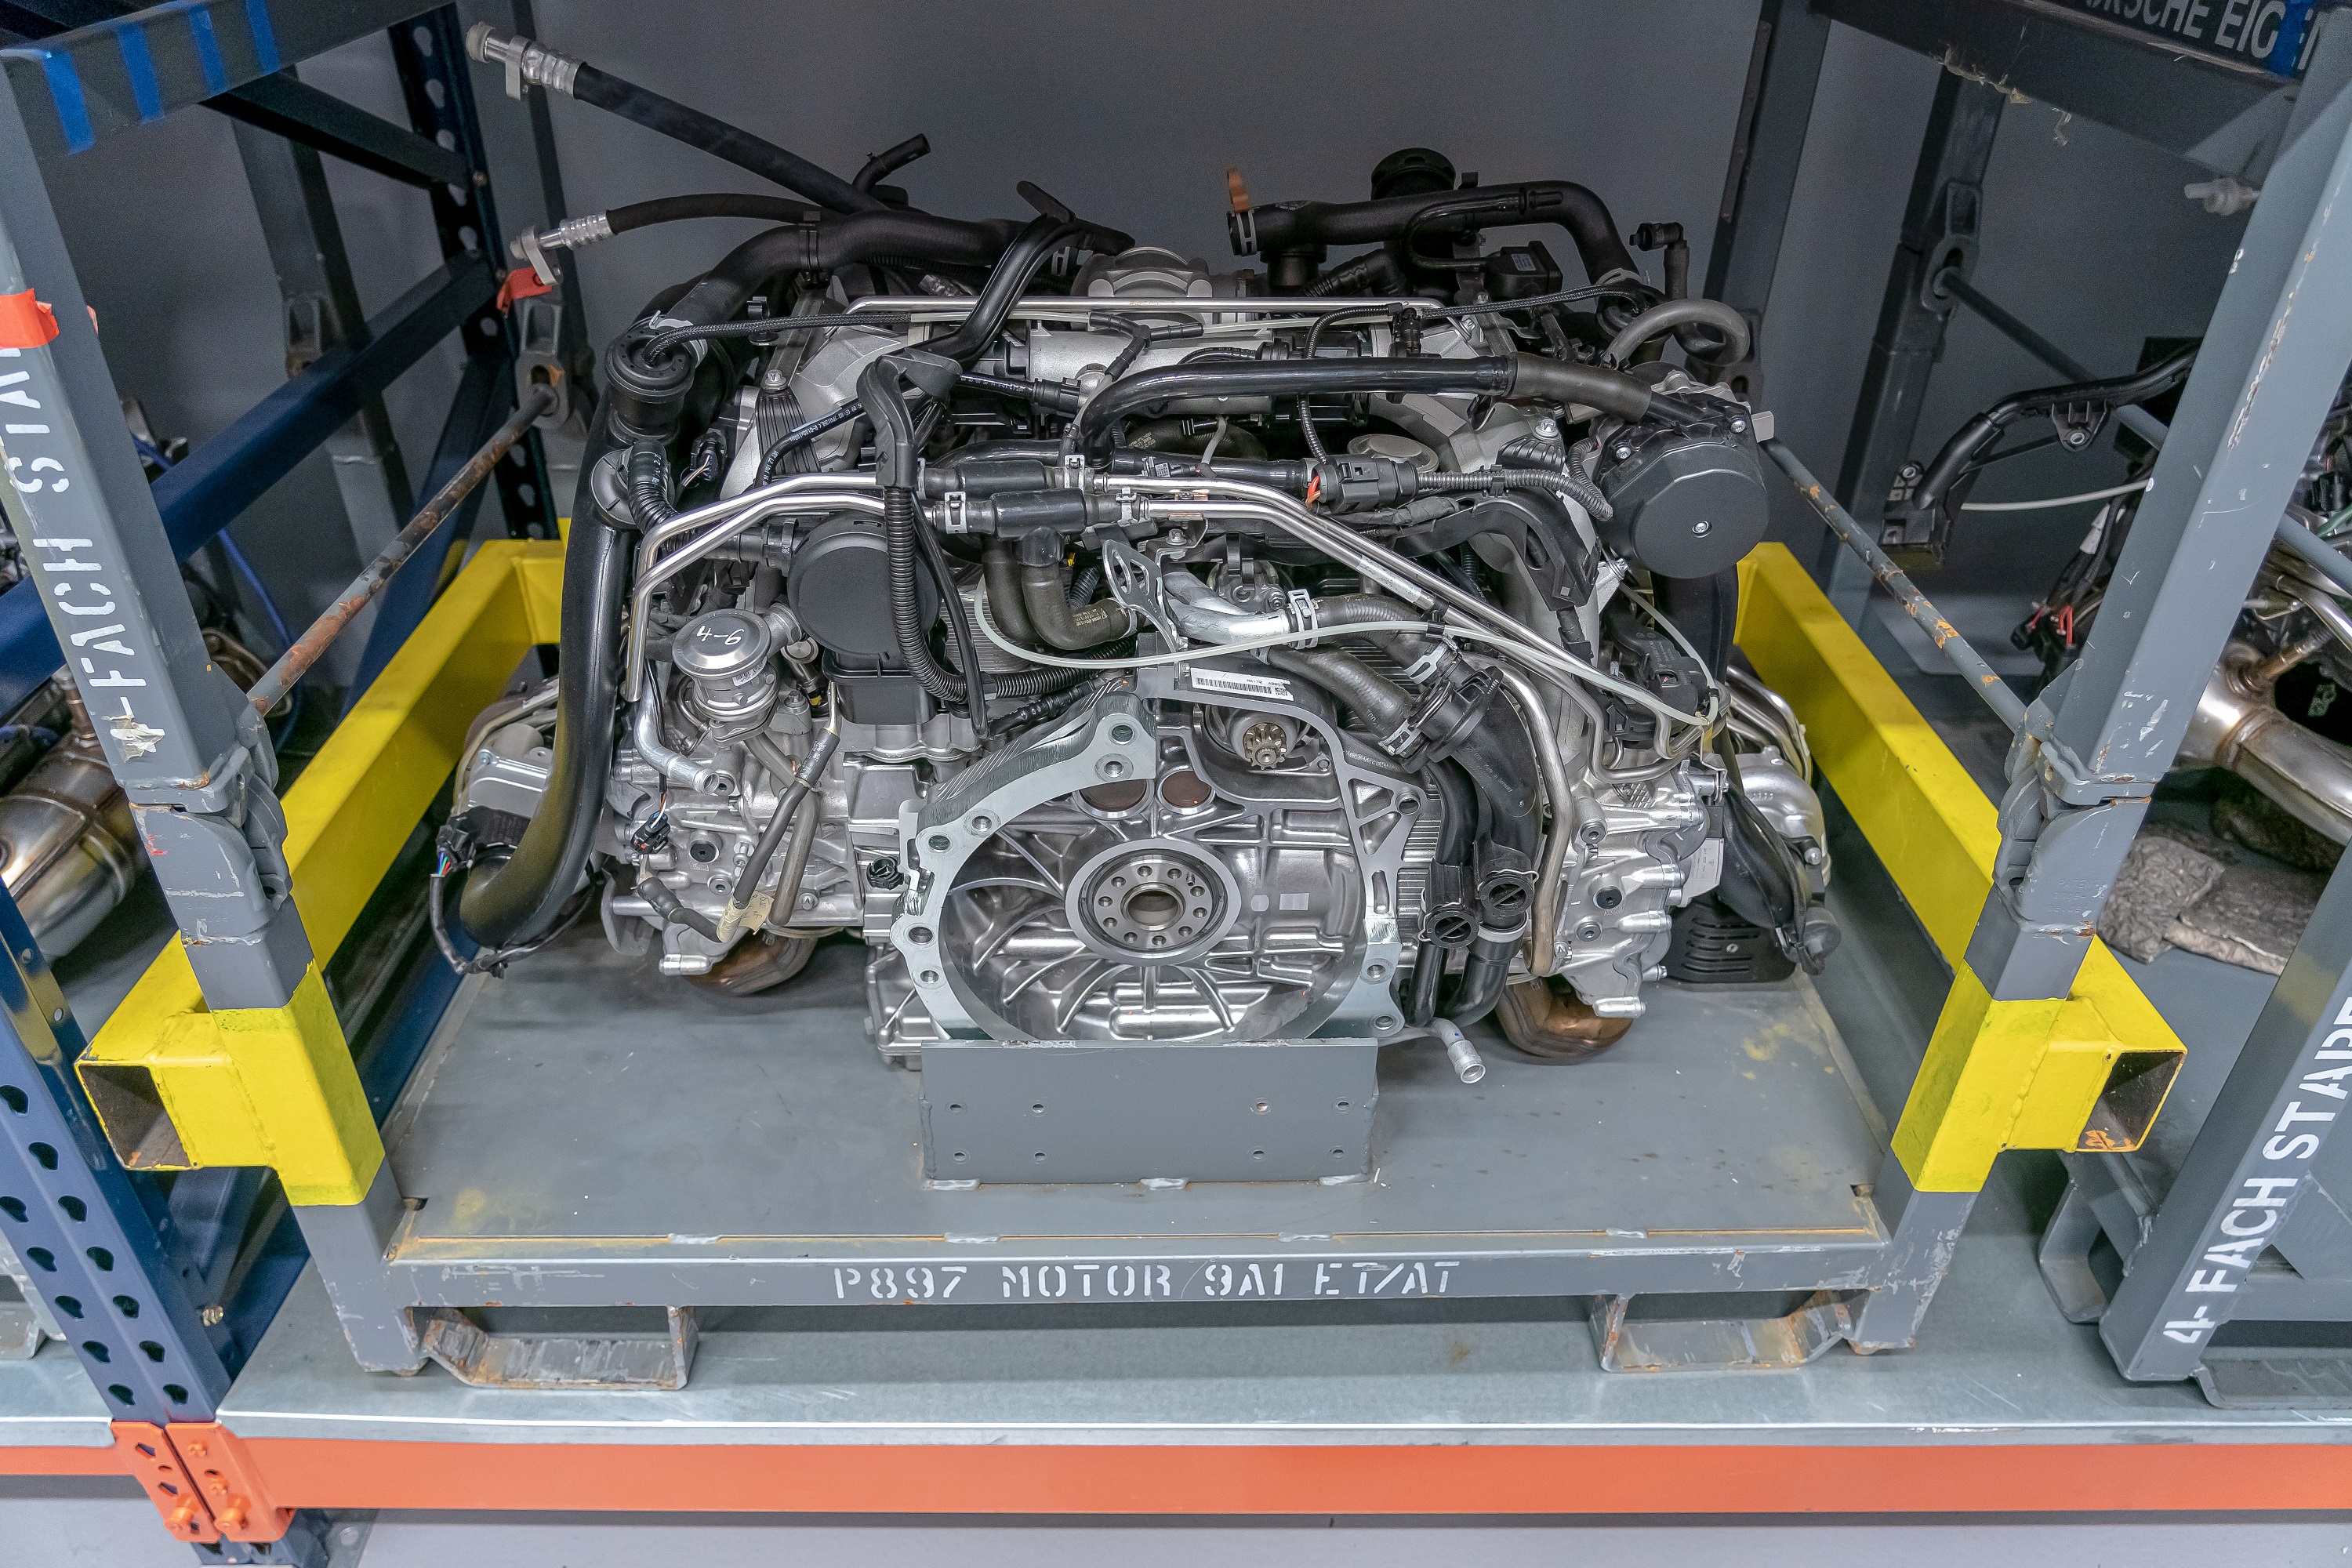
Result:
x=48 y=1402
x=585 y=1127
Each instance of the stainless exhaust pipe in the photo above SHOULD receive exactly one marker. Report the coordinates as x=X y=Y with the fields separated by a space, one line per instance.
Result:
x=2236 y=727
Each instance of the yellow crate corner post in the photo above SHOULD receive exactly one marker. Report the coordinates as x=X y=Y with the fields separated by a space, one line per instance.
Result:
x=177 y=1086
x=2089 y=1071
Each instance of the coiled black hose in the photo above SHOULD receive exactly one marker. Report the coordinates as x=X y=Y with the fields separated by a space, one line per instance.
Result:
x=648 y=476
x=1559 y=482
x=899 y=522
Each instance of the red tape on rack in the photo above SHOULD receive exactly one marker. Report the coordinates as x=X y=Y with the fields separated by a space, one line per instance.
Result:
x=25 y=322
x=522 y=283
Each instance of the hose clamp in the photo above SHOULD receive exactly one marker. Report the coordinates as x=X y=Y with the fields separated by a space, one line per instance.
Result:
x=1303 y=614
x=954 y=518
x=1426 y=669
x=1401 y=741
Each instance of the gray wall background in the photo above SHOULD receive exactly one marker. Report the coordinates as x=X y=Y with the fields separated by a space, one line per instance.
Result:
x=1132 y=114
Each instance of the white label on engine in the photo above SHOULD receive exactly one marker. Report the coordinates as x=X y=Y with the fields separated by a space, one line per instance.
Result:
x=1705 y=870
x=1265 y=687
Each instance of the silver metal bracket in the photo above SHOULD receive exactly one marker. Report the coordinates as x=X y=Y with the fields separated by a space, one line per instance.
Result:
x=1134 y=580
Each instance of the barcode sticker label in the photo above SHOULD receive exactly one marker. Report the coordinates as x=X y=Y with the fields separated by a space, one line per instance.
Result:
x=1266 y=688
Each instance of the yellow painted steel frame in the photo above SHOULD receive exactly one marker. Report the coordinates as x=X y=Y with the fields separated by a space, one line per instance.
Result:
x=255 y=1086
x=1997 y=1075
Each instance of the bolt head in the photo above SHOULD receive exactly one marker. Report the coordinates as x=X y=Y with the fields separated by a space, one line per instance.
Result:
x=1702 y=528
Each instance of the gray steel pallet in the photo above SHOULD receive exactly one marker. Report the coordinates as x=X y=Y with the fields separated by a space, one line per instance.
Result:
x=1995 y=1364
x=582 y=1134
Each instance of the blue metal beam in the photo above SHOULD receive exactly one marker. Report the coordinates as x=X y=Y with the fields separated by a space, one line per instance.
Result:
x=206 y=491
x=79 y=88
x=71 y=1214
x=302 y=113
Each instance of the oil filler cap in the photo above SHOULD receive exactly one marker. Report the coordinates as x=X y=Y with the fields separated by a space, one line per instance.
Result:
x=722 y=648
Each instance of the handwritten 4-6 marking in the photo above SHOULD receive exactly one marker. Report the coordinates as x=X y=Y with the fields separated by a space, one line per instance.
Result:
x=1109 y=1281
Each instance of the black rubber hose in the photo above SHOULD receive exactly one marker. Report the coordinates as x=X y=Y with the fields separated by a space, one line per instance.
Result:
x=1484 y=975
x=1706 y=609
x=1045 y=595
x=1408 y=649
x=1511 y=376
x=524 y=895
x=1287 y=378
x=1449 y=789
x=1038 y=682
x=1000 y=568
x=1501 y=764
x=1428 y=970
x=1050 y=394
x=633 y=216
x=899 y=522
x=788 y=800
x=1039 y=239
x=1610 y=391
x=665 y=904
x=882 y=233
x=883 y=164
x=716 y=137
x=1308 y=226
x=1379 y=701
x=975 y=680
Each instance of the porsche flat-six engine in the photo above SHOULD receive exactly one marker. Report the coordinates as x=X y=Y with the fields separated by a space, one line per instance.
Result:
x=1181 y=681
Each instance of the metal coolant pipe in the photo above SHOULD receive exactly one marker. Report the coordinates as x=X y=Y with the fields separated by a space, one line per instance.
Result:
x=1468 y=1064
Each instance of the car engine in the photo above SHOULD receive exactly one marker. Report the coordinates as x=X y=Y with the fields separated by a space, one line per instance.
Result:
x=1157 y=661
